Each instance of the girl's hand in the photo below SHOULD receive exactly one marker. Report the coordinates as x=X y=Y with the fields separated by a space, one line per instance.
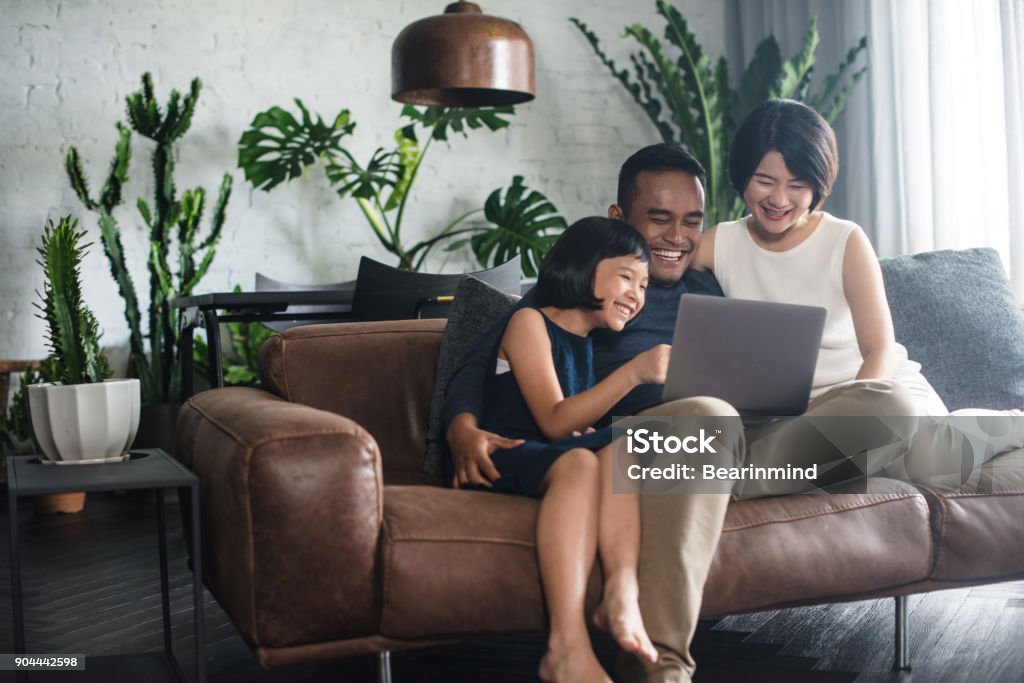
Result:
x=652 y=365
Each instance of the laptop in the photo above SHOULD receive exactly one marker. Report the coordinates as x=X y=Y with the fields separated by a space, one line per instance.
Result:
x=756 y=355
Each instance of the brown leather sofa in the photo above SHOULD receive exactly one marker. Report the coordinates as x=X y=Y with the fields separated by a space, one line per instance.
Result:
x=323 y=537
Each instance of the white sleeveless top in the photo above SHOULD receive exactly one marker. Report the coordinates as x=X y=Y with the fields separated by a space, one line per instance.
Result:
x=811 y=274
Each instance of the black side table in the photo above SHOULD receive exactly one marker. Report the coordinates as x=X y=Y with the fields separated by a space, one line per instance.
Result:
x=145 y=469
x=202 y=310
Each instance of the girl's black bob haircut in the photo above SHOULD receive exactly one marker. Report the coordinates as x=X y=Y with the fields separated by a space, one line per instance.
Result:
x=566 y=278
x=804 y=139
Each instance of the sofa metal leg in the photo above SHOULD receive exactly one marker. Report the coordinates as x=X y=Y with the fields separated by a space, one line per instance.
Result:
x=384 y=667
x=901 y=662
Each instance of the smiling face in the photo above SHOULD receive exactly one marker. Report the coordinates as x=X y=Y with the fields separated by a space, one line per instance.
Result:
x=621 y=285
x=668 y=210
x=776 y=199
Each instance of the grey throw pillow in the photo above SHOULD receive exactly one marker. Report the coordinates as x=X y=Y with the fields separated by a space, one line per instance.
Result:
x=477 y=307
x=956 y=314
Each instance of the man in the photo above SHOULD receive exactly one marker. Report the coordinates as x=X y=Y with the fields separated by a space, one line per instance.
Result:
x=661 y=194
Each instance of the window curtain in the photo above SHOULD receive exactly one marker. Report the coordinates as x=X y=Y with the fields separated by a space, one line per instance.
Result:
x=932 y=142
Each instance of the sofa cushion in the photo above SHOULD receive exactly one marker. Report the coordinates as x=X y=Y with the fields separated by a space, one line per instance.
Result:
x=477 y=307
x=452 y=558
x=977 y=521
x=812 y=548
x=956 y=314
x=449 y=556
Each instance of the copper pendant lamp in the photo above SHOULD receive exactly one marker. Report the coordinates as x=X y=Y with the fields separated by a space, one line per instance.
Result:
x=462 y=58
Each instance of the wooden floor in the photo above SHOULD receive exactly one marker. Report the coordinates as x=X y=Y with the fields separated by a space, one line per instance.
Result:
x=91 y=586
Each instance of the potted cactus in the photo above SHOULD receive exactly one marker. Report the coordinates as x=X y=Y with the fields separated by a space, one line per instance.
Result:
x=180 y=252
x=82 y=415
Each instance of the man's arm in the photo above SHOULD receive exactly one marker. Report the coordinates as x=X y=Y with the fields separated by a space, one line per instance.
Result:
x=470 y=446
x=465 y=393
x=463 y=407
x=471 y=449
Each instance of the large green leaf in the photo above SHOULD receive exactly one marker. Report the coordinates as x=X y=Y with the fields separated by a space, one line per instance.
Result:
x=524 y=222
x=383 y=170
x=760 y=76
x=672 y=85
x=277 y=146
x=838 y=103
x=796 y=72
x=711 y=94
x=408 y=158
x=641 y=91
x=441 y=119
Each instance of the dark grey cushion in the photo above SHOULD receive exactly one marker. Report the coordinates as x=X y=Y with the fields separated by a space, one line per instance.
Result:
x=383 y=292
x=477 y=307
x=956 y=314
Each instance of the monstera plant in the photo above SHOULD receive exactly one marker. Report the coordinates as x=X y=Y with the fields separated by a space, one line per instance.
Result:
x=691 y=101
x=278 y=146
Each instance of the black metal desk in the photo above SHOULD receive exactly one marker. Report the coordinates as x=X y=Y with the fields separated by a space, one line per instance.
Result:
x=204 y=310
x=146 y=469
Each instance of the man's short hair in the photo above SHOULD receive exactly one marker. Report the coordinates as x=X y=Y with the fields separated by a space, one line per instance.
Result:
x=566 y=278
x=658 y=158
x=804 y=139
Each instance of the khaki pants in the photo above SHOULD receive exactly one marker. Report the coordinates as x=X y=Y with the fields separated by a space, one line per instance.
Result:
x=681 y=531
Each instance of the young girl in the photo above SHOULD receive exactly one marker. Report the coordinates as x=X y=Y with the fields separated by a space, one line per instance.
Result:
x=543 y=391
x=783 y=162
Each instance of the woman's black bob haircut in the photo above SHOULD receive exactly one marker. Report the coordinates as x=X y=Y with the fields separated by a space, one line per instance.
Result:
x=804 y=139
x=566 y=278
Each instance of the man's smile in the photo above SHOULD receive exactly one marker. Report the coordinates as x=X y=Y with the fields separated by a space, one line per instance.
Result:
x=671 y=255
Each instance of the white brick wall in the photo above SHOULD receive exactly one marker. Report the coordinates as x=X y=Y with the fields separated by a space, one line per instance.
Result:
x=69 y=64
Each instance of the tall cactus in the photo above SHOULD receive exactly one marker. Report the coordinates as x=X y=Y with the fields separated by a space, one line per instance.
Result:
x=171 y=222
x=72 y=331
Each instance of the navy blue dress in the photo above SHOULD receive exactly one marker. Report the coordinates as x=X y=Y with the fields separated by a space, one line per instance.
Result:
x=505 y=412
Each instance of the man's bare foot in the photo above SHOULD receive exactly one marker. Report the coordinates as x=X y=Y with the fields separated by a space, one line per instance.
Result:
x=571 y=665
x=619 y=615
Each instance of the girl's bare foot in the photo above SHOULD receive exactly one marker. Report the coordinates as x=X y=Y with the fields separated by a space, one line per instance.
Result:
x=571 y=665
x=619 y=615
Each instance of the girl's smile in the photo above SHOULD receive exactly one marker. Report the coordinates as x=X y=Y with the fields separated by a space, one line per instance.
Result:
x=621 y=285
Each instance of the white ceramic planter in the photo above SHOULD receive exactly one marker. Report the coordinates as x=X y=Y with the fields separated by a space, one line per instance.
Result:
x=85 y=421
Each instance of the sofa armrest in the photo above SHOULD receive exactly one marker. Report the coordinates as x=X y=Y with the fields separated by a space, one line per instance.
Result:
x=292 y=509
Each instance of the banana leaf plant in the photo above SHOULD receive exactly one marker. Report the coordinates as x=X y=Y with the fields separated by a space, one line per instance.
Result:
x=279 y=146
x=691 y=101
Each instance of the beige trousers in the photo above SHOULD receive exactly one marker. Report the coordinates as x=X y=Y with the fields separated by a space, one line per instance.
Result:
x=680 y=531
